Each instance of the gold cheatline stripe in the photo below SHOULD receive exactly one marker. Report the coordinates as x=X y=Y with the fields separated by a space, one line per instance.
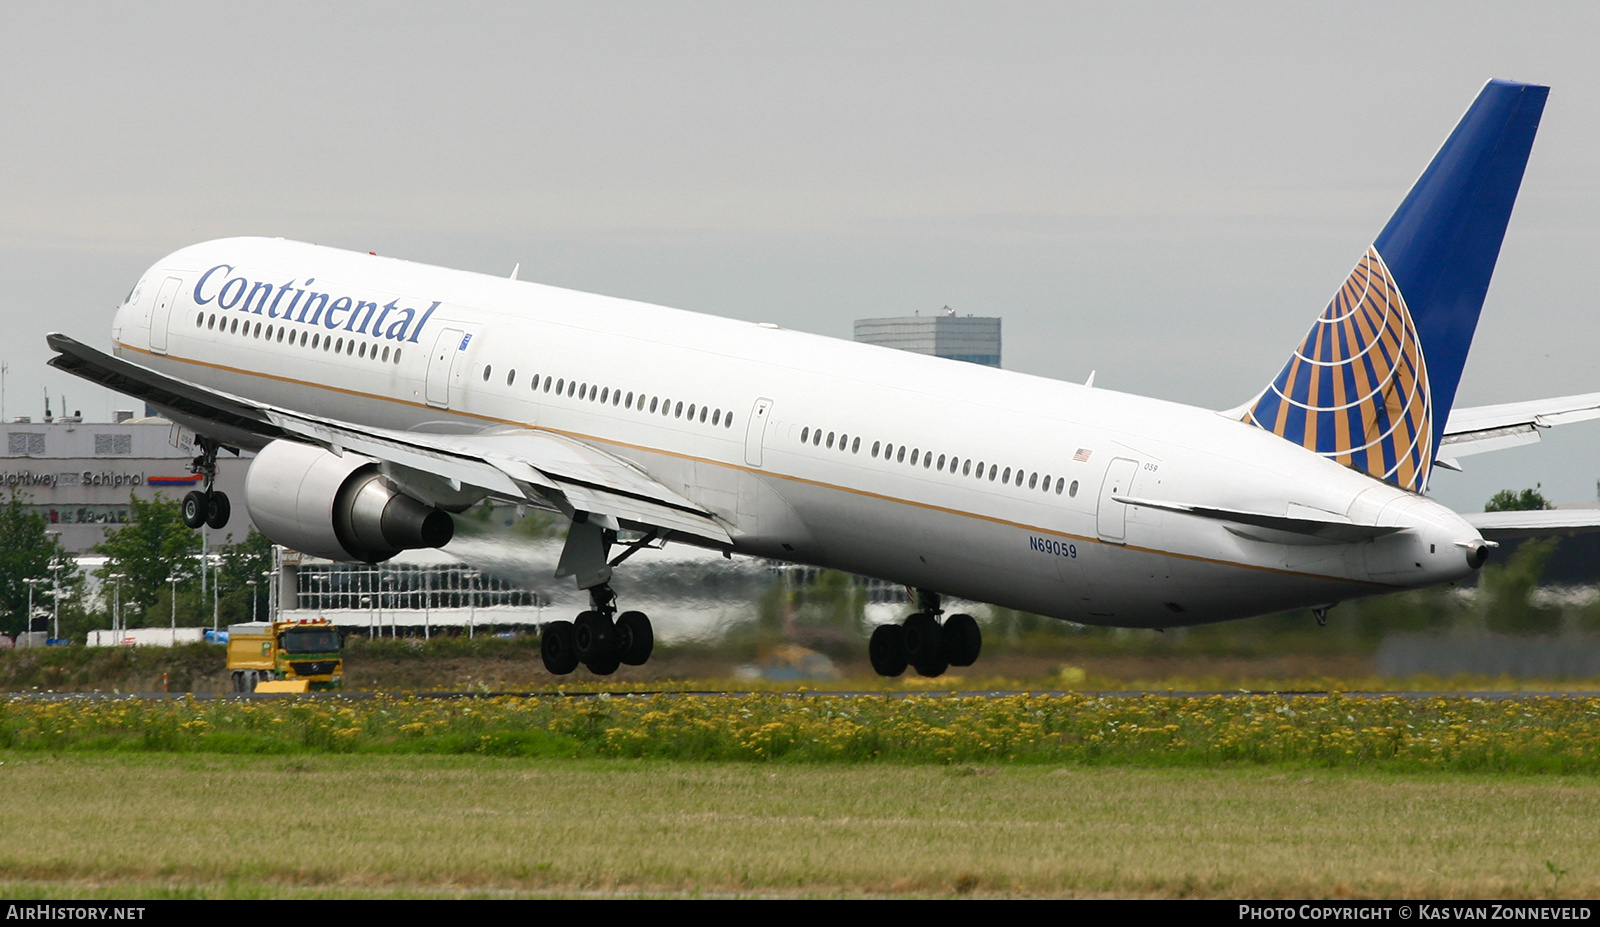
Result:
x=782 y=476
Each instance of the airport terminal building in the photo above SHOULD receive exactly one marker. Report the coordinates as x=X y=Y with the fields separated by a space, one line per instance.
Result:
x=81 y=475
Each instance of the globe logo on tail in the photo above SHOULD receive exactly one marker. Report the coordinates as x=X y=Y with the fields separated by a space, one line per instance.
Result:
x=1356 y=389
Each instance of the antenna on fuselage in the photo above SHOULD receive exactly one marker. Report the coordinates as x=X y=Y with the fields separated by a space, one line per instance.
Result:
x=515 y=269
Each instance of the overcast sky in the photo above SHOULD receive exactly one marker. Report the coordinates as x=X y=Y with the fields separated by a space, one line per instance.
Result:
x=1165 y=193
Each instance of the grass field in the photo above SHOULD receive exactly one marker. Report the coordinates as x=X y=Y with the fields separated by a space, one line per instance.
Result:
x=202 y=825
x=1391 y=733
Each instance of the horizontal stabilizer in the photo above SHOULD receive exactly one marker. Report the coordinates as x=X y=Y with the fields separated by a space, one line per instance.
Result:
x=1330 y=530
x=1507 y=526
x=1479 y=429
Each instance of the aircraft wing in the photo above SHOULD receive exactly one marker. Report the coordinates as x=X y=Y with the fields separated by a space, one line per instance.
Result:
x=1477 y=429
x=521 y=466
x=1505 y=526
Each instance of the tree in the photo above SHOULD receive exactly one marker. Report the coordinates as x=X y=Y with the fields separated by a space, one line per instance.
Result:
x=1529 y=500
x=153 y=547
x=1505 y=591
x=27 y=551
x=242 y=563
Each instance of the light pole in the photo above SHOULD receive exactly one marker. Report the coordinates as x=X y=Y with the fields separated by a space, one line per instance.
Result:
x=472 y=601
x=173 y=581
x=216 y=596
x=55 y=598
x=267 y=575
x=320 y=580
x=32 y=581
x=203 y=567
x=116 y=602
x=252 y=584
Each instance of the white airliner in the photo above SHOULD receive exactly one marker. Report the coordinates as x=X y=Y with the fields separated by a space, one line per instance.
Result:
x=382 y=395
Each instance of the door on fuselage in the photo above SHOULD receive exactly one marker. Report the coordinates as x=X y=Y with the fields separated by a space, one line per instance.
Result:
x=1112 y=515
x=161 y=314
x=755 y=432
x=450 y=342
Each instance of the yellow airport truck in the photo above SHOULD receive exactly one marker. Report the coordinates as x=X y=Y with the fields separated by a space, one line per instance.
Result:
x=285 y=656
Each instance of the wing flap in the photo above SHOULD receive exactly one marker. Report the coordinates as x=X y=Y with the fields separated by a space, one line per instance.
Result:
x=523 y=465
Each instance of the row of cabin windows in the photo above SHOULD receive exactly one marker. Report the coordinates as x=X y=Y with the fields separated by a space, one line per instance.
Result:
x=352 y=346
x=952 y=464
x=605 y=394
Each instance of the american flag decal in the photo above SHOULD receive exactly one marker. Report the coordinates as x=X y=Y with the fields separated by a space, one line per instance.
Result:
x=1082 y=455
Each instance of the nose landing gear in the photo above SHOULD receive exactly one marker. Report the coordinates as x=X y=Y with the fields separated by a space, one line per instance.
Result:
x=206 y=507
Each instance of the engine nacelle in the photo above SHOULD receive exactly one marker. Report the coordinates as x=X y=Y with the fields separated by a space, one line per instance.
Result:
x=338 y=508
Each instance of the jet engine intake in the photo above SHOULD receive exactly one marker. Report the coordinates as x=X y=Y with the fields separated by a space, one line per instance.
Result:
x=337 y=507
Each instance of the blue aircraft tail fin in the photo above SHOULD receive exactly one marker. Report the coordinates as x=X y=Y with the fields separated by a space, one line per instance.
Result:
x=1373 y=382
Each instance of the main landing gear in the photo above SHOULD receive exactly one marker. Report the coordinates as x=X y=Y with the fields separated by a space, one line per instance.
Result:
x=206 y=507
x=600 y=639
x=923 y=643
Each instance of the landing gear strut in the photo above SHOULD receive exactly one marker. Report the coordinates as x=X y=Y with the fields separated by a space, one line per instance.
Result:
x=206 y=507
x=923 y=643
x=600 y=639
